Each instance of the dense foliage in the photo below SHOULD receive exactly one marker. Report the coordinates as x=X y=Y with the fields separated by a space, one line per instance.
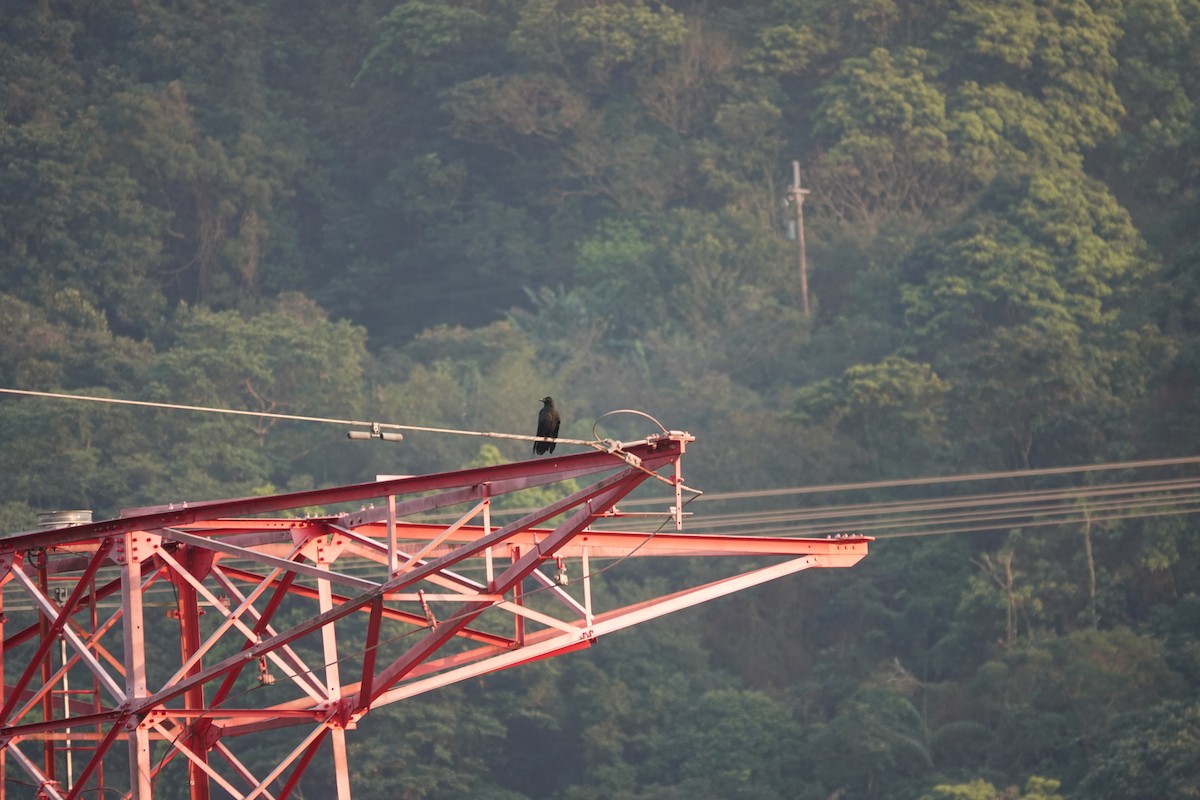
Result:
x=435 y=212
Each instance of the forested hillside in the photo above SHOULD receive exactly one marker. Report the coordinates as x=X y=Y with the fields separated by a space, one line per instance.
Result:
x=436 y=212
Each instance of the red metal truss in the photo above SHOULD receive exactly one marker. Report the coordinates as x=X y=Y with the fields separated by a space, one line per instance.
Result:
x=388 y=608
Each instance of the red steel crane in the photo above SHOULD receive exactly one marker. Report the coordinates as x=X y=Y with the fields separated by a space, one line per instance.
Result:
x=93 y=704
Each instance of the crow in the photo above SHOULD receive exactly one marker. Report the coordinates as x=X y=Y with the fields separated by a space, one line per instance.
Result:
x=547 y=426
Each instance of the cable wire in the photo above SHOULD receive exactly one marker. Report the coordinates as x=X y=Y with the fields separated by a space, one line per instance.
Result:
x=294 y=417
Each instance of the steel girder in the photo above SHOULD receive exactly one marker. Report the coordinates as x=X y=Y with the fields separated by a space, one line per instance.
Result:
x=388 y=608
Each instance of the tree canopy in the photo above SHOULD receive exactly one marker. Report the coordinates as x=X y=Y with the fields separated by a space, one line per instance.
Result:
x=436 y=213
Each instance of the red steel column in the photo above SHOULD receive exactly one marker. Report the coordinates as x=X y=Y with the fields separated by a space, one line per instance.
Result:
x=189 y=644
x=47 y=698
x=96 y=704
x=135 y=547
x=333 y=684
x=3 y=750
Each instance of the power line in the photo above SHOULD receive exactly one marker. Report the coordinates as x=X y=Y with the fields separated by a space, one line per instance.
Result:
x=940 y=479
x=1016 y=500
x=392 y=426
x=854 y=515
x=960 y=513
x=376 y=429
x=742 y=495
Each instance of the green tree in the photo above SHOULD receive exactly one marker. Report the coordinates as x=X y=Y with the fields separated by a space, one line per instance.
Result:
x=734 y=744
x=1059 y=54
x=595 y=41
x=1171 y=406
x=885 y=129
x=427 y=748
x=65 y=345
x=413 y=33
x=534 y=497
x=1155 y=78
x=288 y=359
x=216 y=200
x=1024 y=295
x=888 y=732
x=72 y=217
x=1064 y=695
x=1036 y=788
x=891 y=410
x=1151 y=753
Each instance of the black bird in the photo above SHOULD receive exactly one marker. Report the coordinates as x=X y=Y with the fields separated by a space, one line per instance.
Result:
x=547 y=426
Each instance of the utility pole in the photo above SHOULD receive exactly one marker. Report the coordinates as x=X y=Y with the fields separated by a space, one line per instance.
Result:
x=797 y=197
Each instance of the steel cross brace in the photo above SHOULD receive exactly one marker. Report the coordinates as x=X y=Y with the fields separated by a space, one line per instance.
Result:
x=379 y=597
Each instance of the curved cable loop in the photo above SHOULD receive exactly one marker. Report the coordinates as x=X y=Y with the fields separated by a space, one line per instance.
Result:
x=596 y=436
